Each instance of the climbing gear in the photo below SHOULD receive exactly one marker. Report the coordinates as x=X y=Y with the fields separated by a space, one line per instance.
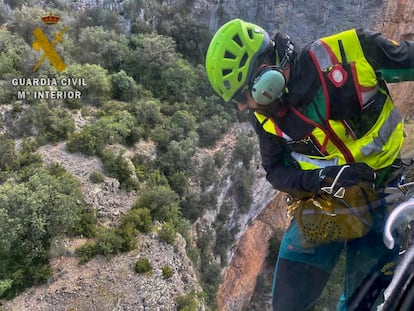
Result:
x=232 y=56
x=269 y=83
x=325 y=217
x=335 y=179
x=332 y=135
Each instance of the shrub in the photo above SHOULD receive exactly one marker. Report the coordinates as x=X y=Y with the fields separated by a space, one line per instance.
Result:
x=109 y=242
x=139 y=219
x=208 y=174
x=219 y=158
x=243 y=150
x=192 y=206
x=116 y=166
x=96 y=177
x=162 y=202
x=86 y=252
x=186 y=302
x=5 y=285
x=143 y=265
x=8 y=154
x=241 y=189
x=167 y=272
x=99 y=84
x=124 y=87
x=89 y=141
x=167 y=233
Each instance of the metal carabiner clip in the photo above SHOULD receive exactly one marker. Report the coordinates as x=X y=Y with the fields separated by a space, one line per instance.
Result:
x=340 y=193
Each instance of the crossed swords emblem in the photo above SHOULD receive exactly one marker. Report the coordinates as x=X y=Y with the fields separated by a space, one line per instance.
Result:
x=42 y=43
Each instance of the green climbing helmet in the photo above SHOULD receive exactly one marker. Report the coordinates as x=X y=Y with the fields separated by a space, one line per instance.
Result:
x=232 y=56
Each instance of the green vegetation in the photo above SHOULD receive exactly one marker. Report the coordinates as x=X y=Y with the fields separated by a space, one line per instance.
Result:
x=96 y=177
x=144 y=83
x=37 y=205
x=167 y=272
x=143 y=265
x=187 y=302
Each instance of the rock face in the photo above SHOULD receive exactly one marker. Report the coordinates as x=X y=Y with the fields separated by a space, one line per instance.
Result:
x=304 y=20
x=398 y=24
x=239 y=279
x=111 y=284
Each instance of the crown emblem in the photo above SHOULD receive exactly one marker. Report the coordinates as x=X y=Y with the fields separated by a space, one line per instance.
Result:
x=50 y=19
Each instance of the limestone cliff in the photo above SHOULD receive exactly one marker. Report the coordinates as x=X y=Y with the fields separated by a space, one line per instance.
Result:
x=239 y=279
x=397 y=23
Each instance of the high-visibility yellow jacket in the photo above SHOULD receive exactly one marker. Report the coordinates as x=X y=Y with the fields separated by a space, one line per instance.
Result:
x=340 y=110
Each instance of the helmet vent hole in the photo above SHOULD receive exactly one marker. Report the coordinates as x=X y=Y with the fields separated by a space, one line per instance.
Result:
x=250 y=33
x=243 y=60
x=227 y=84
x=230 y=55
x=240 y=76
x=237 y=39
x=225 y=72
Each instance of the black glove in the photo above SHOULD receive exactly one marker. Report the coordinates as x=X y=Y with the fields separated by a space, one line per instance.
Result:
x=335 y=179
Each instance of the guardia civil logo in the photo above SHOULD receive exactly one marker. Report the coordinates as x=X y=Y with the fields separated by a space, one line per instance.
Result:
x=46 y=47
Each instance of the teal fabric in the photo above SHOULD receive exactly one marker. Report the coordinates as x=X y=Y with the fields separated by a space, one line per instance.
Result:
x=363 y=256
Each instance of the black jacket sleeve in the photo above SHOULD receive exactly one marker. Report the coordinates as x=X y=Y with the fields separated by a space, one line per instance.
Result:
x=280 y=168
x=394 y=59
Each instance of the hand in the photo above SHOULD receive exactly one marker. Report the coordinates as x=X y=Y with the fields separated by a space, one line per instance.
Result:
x=335 y=179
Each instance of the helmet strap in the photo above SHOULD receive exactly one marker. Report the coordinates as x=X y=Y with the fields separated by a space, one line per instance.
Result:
x=284 y=50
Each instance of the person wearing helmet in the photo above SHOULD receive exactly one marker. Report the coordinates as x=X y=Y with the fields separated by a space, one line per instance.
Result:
x=328 y=132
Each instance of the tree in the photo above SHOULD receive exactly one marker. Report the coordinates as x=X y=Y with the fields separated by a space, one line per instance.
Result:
x=148 y=114
x=182 y=123
x=14 y=52
x=162 y=202
x=243 y=150
x=192 y=206
x=178 y=156
x=106 y=48
x=149 y=56
x=8 y=155
x=124 y=87
x=25 y=20
x=179 y=183
x=211 y=130
x=192 y=37
x=98 y=86
x=207 y=174
x=180 y=81
x=45 y=205
x=241 y=188
x=51 y=123
x=98 y=16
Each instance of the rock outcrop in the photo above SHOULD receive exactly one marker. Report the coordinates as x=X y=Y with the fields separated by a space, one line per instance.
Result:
x=111 y=284
x=239 y=279
x=397 y=23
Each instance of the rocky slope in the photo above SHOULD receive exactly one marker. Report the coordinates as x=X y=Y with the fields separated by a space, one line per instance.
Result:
x=111 y=284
